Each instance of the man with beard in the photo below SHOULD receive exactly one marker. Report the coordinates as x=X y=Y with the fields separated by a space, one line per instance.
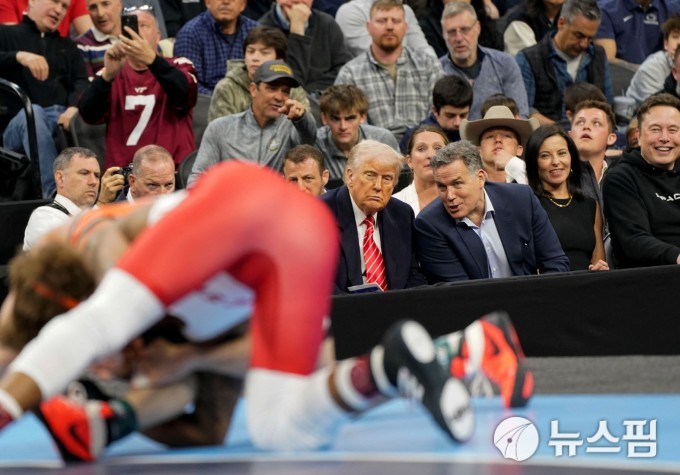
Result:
x=397 y=80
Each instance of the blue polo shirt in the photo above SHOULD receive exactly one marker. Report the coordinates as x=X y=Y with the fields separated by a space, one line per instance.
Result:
x=637 y=32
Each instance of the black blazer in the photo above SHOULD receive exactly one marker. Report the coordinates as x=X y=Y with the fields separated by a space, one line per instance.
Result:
x=395 y=224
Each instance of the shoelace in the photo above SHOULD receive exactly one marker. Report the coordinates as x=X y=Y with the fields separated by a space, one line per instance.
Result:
x=409 y=386
x=443 y=355
x=480 y=386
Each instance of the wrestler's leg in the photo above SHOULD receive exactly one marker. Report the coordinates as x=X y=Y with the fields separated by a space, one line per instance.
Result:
x=227 y=217
x=287 y=256
x=82 y=429
x=289 y=408
x=216 y=398
x=291 y=412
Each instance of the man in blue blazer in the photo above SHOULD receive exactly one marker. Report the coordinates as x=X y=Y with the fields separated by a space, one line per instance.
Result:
x=480 y=230
x=371 y=174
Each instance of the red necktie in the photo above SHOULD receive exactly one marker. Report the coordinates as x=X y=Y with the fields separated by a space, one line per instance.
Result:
x=375 y=266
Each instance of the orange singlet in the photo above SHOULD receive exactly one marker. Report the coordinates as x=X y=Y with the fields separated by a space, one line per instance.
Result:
x=83 y=224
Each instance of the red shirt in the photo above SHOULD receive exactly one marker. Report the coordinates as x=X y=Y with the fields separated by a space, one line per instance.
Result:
x=140 y=114
x=11 y=11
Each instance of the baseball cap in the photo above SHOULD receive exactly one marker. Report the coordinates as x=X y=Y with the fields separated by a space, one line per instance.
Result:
x=271 y=71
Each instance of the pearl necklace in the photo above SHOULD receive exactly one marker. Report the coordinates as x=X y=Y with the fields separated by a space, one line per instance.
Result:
x=559 y=205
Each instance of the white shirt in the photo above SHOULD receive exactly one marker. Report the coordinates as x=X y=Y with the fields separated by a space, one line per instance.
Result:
x=493 y=246
x=572 y=63
x=409 y=195
x=45 y=218
x=101 y=37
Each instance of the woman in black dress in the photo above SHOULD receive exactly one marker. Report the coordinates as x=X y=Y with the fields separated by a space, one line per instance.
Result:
x=554 y=173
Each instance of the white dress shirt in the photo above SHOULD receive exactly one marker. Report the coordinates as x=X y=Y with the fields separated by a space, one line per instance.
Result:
x=46 y=218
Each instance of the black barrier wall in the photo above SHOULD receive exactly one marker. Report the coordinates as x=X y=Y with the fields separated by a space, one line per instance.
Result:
x=13 y=219
x=618 y=312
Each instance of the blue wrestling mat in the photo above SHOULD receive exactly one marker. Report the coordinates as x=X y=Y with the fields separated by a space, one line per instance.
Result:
x=570 y=434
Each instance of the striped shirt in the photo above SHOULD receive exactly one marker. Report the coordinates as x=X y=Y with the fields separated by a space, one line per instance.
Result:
x=92 y=46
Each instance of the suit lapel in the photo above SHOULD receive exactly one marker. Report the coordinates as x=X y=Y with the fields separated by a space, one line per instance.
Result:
x=475 y=248
x=349 y=238
x=392 y=252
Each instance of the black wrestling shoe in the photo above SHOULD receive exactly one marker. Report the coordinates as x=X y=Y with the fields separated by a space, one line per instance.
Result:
x=411 y=366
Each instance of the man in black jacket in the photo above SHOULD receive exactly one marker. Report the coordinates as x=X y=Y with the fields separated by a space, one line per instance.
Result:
x=316 y=45
x=563 y=58
x=371 y=223
x=50 y=71
x=143 y=98
x=642 y=191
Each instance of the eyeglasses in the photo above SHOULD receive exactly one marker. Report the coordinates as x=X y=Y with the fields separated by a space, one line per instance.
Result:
x=464 y=31
x=138 y=8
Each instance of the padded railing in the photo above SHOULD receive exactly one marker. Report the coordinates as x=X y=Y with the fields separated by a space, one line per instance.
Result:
x=611 y=313
x=14 y=89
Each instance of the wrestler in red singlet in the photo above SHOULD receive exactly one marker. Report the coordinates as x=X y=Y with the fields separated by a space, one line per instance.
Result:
x=279 y=242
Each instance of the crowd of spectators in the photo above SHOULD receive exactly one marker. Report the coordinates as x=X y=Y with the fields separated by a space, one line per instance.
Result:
x=299 y=87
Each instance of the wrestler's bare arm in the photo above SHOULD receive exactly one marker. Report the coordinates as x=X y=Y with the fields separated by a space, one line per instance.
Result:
x=162 y=362
x=106 y=244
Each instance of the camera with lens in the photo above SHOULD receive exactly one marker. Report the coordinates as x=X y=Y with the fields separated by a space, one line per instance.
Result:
x=125 y=171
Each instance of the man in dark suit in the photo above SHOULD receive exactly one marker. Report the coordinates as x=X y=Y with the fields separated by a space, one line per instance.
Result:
x=371 y=174
x=480 y=230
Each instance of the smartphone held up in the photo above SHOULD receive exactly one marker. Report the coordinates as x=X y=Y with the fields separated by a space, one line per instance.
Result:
x=129 y=21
